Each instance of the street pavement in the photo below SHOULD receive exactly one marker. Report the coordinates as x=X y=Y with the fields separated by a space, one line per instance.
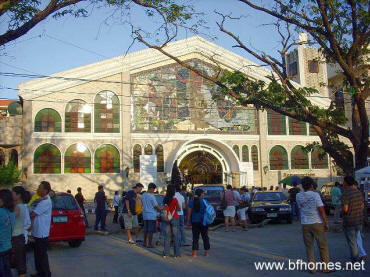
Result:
x=232 y=254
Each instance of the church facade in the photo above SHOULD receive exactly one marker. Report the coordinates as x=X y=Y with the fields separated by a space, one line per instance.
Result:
x=94 y=125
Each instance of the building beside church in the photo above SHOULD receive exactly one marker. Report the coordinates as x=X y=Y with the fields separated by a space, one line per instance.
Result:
x=92 y=124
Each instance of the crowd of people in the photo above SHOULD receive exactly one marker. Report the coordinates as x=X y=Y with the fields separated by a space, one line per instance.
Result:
x=177 y=211
x=19 y=215
x=315 y=224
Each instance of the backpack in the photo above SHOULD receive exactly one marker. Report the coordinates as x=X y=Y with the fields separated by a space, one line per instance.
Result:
x=209 y=213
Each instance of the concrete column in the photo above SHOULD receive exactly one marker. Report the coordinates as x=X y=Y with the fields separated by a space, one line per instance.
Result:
x=263 y=151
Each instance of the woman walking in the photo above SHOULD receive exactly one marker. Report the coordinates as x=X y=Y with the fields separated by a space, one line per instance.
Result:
x=196 y=210
x=170 y=220
x=6 y=226
x=18 y=239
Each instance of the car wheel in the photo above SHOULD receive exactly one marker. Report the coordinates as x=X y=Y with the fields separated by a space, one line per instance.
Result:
x=74 y=243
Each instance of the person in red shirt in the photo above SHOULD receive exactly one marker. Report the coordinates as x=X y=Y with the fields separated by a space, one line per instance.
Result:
x=171 y=219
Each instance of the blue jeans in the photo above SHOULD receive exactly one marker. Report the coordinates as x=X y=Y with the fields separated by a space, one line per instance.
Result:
x=295 y=210
x=5 y=270
x=100 y=218
x=182 y=237
x=361 y=249
x=166 y=227
x=350 y=233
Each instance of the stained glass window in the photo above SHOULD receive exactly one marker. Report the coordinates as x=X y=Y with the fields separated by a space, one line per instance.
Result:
x=297 y=127
x=160 y=158
x=254 y=152
x=319 y=159
x=46 y=159
x=312 y=131
x=136 y=157
x=78 y=117
x=299 y=158
x=245 y=153
x=148 y=150
x=48 y=120
x=107 y=111
x=278 y=158
x=276 y=123
x=175 y=99
x=236 y=150
x=77 y=159
x=107 y=159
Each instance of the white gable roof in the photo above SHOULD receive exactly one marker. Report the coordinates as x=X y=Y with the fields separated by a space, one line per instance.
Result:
x=137 y=60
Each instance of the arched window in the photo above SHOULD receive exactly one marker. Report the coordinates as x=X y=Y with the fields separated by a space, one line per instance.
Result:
x=148 y=150
x=297 y=128
x=78 y=117
x=48 y=120
x=2 y=158
x=106 y=115
x=312 y=131
x=136 y=157
x=278 y=158
x=245 y=153
x=107 y=159
x=77 y=159
x=14 y=157
x=319 y=158
x=160 y=158
x=236 y=150
x=47 y=159
x=299 y=158
x=254 y=153
x=276 y=123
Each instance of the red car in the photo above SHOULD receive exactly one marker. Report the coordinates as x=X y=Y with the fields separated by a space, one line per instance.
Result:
x=67 y=220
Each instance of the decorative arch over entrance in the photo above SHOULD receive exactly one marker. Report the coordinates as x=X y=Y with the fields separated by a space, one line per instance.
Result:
x=222 y=152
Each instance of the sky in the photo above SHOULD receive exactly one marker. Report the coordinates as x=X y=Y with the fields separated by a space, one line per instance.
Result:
x=56 y=45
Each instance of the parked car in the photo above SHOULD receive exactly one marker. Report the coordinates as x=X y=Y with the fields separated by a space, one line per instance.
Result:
x=326 y=196
x=67 y=220
x=214 y=195
x=269 y=205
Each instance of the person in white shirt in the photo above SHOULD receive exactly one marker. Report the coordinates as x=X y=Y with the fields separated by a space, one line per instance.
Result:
x=116 y=201
x=181 y=201
x=314 y=222
x=41 y=216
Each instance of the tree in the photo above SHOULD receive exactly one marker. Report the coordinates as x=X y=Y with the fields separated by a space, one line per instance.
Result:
x=22 y=16
x=340 y=29
x=9 y=174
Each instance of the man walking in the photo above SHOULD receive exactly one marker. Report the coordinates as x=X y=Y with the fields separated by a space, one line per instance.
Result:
x=336 y=194
x=150 y=208
x=41 y=216
x=181 y=201
x=129 y=212
x=81 y=200
x=100 y=212
x=314 y=222
x=352 y=207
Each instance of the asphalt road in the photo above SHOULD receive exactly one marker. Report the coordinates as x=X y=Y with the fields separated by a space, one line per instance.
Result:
x=232 y=254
